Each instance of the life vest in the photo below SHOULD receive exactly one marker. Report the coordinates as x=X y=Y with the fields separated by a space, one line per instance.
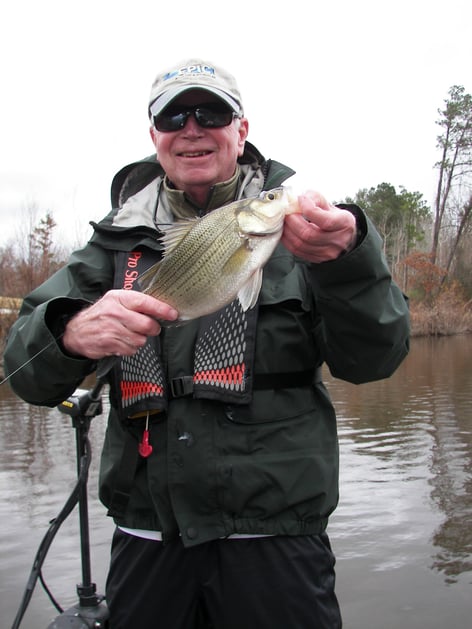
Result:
x=223 y=354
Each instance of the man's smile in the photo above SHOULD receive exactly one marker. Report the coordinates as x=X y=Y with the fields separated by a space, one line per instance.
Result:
x=194 y=153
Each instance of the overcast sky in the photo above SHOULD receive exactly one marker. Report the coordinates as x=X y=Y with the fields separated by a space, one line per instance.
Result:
x=345 y=92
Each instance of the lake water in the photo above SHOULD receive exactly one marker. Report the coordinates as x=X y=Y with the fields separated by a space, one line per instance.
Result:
x=402 y=532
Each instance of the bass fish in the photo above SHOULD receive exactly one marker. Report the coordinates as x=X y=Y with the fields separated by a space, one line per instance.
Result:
x=209 y=261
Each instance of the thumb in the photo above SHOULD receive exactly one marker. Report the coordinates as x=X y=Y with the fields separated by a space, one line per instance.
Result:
x=317 y=199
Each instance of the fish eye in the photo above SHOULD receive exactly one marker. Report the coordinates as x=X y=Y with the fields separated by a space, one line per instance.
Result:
x=270 y=196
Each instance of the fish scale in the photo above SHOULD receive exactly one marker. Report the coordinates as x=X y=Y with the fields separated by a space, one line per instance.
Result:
x=174 y=282
x=187 y=259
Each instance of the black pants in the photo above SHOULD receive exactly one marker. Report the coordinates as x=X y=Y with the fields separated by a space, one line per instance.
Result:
x=263 y=583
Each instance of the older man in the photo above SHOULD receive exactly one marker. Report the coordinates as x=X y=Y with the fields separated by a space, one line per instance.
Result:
x=221 y=496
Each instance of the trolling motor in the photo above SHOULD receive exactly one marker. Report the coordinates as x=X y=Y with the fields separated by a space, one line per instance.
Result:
x=91 y=610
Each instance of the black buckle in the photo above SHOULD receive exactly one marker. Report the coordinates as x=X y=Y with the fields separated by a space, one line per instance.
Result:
x=181 y=386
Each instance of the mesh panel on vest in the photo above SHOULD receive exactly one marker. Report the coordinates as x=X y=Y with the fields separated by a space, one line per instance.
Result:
x=219 y=354
x=224 y=354
x=141 y=377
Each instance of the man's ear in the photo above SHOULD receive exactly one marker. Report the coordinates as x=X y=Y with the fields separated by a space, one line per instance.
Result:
x=243 y=133
x=152 y=133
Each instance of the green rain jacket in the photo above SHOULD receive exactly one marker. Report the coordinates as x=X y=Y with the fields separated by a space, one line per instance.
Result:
x=216 y=469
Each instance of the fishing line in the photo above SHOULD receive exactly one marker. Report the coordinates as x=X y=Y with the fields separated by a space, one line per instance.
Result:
x=30 y=359
x=104 y=364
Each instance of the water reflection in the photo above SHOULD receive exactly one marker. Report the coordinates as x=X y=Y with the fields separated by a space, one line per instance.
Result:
x=403 y=524
x=37 y=473
x=415 y=432
x=451 y=463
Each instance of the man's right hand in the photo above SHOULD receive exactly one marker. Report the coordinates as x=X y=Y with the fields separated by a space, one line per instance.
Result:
x=117 y=324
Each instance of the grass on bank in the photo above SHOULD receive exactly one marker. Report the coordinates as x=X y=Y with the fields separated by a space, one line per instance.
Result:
x=443 y=317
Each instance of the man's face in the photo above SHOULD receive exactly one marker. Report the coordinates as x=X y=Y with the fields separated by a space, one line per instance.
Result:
x=195 y=158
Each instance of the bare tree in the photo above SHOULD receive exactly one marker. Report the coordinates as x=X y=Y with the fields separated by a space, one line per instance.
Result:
x=464 y=221
x=33 y=256
x=455 y=168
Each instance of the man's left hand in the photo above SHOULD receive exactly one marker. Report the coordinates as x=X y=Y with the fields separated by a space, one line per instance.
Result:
x=321 y=231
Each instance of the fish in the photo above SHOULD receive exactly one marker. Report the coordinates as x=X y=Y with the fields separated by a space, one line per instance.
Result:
x=210 y=261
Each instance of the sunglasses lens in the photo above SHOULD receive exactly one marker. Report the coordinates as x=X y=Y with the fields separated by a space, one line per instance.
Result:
x=210 y=115
x=213 y=117
x=169 y=121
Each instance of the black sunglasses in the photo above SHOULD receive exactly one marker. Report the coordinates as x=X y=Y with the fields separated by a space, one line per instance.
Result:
x=207 y=115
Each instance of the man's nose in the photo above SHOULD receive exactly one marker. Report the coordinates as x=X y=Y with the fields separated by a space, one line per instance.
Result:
x=192 y=127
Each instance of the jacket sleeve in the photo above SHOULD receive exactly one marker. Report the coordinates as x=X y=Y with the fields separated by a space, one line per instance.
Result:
x=40 y=372
x=364 y=322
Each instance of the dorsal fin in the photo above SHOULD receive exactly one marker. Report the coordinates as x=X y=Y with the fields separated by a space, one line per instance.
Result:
x=174 y=234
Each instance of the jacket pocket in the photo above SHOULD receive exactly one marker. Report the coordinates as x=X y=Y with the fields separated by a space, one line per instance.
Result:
x=273 y=406
x=280 y=467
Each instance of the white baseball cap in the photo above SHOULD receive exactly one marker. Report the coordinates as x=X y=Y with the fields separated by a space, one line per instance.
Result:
x=190 y=75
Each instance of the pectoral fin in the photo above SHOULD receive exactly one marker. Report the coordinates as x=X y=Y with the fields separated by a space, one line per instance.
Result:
x=249 y=293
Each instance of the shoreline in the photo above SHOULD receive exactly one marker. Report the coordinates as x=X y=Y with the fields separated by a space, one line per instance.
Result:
x=414 y=334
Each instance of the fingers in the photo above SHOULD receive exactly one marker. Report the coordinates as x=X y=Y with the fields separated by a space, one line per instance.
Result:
x=118 y=323
x=315 y=209
x=143 y=304
x=321 y=232
x=312 y=198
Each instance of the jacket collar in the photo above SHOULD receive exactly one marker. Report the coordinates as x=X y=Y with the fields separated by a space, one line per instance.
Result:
x=140 y=204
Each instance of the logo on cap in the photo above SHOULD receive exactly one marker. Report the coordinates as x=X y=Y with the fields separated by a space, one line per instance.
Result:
x=194 y=71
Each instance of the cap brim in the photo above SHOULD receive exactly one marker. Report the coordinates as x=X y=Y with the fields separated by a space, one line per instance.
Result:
x=161 y=102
